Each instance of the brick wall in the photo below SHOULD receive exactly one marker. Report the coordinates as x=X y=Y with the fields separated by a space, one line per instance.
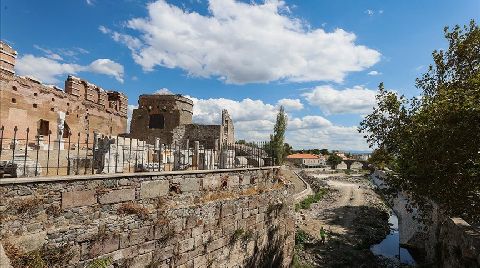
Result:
x=220 y=218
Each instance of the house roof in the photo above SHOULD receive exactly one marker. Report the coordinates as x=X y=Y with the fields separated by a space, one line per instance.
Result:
x=303 y=156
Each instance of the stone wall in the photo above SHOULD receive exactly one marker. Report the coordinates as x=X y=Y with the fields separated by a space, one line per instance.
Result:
x=174 y=109
x=81 y=107
x=222 y=218
x=434 y=238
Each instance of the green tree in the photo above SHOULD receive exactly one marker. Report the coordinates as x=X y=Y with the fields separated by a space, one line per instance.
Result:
x=278 y=137
x=288 y=150
x=381 y=159
x=324 y=151
x=434 y=140
x=334 y=160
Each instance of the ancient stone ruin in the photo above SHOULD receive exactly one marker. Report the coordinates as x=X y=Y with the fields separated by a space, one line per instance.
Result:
x=169 y=118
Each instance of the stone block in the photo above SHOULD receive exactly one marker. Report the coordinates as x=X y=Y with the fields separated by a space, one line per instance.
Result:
x=211 y=182
x=190 y=185
x=163 y=253
x=104 y=246
x=152 y=189
x=141 y=261
x=216 y=244
x=228 y=209
x=78 y=199
x=186 y=245
x=200 y=261
x=146 y=247
x=117 y=196
x=136 y=236
x=29 y=242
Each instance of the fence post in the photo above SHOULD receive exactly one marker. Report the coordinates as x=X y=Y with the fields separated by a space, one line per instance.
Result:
x=38 y=149
x=68 y=153
x=25 y=157
x=14 y=144
x=48 y=150
x=1 y=141
x=196 y=154
x=95 y=139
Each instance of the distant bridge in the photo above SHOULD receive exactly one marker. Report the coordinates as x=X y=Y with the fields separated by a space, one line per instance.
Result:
x=355 y=163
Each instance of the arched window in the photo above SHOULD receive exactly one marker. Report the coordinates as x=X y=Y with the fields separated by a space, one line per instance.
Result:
x=157 y=121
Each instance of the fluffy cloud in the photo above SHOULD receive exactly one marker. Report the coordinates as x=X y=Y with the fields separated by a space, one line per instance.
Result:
x=130 y=109
x=242 y=43
x=254 y=121
x=44 y=69
x=163 y=91
x=208 y=111
x=107 y=67
x=374 y=73
x=291 y=104
x=348 y=101
x=48 y=69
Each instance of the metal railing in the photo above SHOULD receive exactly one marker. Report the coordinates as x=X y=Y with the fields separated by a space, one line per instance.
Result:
x=27 y=155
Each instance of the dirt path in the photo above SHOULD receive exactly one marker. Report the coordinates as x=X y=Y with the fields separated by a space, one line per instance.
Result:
x=354 y=217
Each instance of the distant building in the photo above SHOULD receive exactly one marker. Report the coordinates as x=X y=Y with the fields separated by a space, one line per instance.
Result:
x=306 y=160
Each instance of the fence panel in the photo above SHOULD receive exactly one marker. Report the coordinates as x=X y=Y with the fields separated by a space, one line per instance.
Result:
x=28 y=154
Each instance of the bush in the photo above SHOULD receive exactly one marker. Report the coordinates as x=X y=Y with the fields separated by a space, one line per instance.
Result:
x=305 y=203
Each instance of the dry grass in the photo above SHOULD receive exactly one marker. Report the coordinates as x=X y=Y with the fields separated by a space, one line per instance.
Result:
x=43 y=257
x=131 y=208
x=27 y=206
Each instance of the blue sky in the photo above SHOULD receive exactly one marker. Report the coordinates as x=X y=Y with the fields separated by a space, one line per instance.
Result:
x=321 y=59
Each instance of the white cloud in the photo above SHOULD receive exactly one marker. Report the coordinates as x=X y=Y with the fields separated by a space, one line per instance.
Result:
x=290 y=104
x=163 y=91
x=89 y=2
x=351 y=100
x=130 y=109
x=374 y=73
x=242 y=43
x=254 y=121
x=369 y=12
x=48 y=70
x=380 y=12
x=107 y=67
x=45 y=69
x=49 y=54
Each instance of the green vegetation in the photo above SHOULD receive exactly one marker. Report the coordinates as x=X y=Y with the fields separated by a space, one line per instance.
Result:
x=245 y=236
x=334 y=160
x=312 y=151
x=432 y=142
x=278 y=137
x=297 y=263
x=44 y=257
x=305 y=203
x=100 y=263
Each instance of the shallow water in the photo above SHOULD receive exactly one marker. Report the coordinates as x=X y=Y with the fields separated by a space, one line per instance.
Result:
x=390 y=246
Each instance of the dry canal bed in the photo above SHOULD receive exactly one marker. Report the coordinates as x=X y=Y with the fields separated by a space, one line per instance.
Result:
x=354 y=217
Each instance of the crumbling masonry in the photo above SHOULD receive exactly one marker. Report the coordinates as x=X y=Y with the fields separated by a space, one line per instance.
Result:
x=169 y=119
x=80 y=108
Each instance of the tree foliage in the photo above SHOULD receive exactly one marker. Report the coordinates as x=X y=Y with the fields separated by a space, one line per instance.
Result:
x=334 y=160
x=278 y=137
x=434 y=140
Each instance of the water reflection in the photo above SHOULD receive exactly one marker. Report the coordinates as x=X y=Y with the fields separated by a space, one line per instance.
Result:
x=390 y=246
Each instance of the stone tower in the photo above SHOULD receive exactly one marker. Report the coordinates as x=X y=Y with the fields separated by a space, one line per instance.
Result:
x=159 y=116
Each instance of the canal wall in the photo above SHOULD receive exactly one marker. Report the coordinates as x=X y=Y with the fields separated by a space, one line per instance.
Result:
x=221 y=218
x=435 y=238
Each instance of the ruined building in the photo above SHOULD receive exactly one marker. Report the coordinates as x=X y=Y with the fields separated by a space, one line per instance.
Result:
x=169 y=118
x=81 y=107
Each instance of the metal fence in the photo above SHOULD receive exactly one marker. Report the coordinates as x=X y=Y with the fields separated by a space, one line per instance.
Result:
x=24 y=154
